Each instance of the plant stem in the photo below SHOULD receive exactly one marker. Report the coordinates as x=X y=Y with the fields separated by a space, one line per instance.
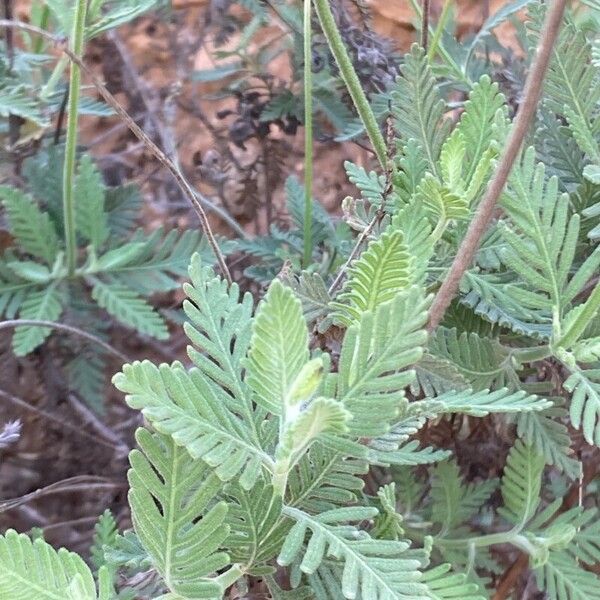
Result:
x=196 y=199
x=67 y=329
x=528 y=355
x=486 y=209
x=308 y=134
x=439 y=28
x=425 y=24
x=280 y=476
x=76 y=43
x=336 y=45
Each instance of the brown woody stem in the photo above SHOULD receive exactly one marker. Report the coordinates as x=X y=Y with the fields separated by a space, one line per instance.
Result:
x=485 y=211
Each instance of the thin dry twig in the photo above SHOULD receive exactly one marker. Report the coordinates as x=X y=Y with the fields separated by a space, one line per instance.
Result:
x=160 y=156
x=389 y=174
x=79 y=483
x=485 y=212
x=355 y=251
x=67 y=329
x=425 y=24
x=58 y=421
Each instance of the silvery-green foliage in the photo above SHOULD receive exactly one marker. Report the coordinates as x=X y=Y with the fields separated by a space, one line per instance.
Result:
x=285 y=436
x=255 y=458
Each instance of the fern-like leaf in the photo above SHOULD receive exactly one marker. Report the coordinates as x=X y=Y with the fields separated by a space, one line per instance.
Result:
x=481 y=360
x=13 y=291
x=105 y=534
x=477 y=123
x=564 y=579
x=325 y=479
x=15 y=99
x=544 y=431
x=543 y=239
x=278 y=348
x=310 y=288
x=570 y=88
x=383 y=270
x=192 y=409
x=31 y=228
x=443 y=584
x=175 y=516
x=36 y=570
x=371 y=185
x=219 y=326
x=44 y=305
x=159 y=261
x=453 y=502
x=254 y=519
x=521 y=484
x=375 y=353
x=129 y=308
x=321 y=226
x=482 y=403
x=89 y=194
x=584 y=386
x=375 y=567
x=418 y=107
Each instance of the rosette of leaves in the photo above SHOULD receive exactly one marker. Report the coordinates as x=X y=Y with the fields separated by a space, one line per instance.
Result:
x=120 y=267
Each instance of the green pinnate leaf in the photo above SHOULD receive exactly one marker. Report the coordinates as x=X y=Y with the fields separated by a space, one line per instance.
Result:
x=172 y=499
x=382 y=271
x=31 y=228
x=91 y=219
x=129 y=308
x=57 y=575
x=278 y=348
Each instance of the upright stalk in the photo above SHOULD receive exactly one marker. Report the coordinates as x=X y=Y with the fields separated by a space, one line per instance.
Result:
x=336 y=45
x=425 y=24
x=487 y=206
x=76 y=44
x=308 y=134
x=439 y=28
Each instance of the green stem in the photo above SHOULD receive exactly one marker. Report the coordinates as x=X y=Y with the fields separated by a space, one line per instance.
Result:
x=583 y=319
x=336 y=45
x=76 y=44
x=533 y=354
x=439 y=28
x=280 y=476
x=481 y=541
x=308 y=134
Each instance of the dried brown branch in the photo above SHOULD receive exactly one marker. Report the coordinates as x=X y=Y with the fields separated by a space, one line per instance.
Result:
x=485 y=211
x=67 y=329
x=80 y=483
x=16 y=401
x=160 y=156
x=510 y=577
x=355 y=251
x=425 y=24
